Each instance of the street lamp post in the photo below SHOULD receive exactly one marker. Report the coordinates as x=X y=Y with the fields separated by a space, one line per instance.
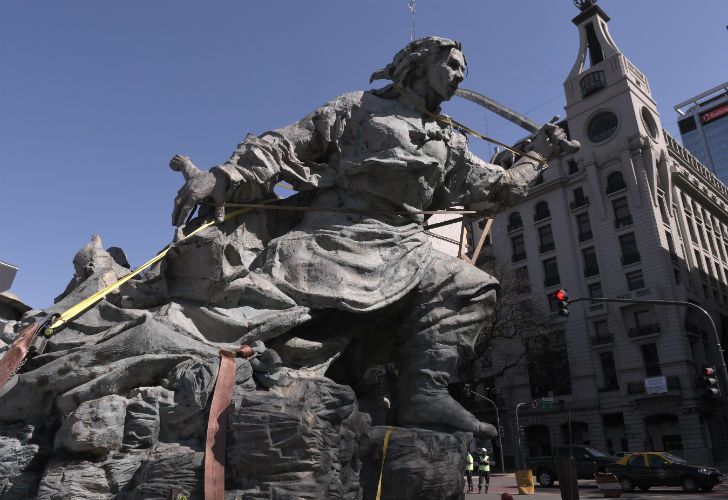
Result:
x=518 y=437
x=468 y=390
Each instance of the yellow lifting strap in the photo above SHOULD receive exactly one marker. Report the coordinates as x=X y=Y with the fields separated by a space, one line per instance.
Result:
x=77 y=309
x=384 y=456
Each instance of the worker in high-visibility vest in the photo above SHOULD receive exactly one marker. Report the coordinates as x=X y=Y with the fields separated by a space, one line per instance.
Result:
x=483 y=470
x=469 y=471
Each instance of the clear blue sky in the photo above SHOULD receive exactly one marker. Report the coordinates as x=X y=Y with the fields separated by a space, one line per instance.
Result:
x=95 y=97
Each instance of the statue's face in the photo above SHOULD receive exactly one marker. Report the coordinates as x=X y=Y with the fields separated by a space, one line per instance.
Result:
x=445 y=76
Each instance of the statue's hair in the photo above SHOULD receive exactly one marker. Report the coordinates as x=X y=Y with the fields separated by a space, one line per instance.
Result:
x=417 y=54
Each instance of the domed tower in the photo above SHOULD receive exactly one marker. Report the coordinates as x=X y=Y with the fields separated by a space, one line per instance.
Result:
x=610 y=108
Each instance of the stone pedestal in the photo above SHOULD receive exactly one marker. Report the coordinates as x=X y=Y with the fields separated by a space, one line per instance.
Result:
x=420 y=464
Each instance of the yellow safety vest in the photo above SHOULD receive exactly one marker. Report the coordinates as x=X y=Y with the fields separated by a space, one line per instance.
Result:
x=485 y=464
x=469 y=460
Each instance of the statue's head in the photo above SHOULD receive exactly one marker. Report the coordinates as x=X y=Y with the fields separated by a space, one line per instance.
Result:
x=439 y=62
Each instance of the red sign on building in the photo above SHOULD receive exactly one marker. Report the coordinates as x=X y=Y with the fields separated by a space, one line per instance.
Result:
x=714 y=114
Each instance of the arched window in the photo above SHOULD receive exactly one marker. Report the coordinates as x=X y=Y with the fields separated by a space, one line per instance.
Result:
x=542 y=211
x=615 y=182
x=514 y=221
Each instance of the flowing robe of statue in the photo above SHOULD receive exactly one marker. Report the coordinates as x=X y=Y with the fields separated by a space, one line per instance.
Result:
x=363 y=152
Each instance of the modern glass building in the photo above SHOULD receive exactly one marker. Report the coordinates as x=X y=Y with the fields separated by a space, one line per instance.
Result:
x=704 y=128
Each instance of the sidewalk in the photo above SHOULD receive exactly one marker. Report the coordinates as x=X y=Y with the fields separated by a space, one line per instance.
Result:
x=506 y=483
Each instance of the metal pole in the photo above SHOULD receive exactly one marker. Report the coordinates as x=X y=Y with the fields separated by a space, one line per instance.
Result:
x=518 y=437
x=497 y=418
x=723 y=369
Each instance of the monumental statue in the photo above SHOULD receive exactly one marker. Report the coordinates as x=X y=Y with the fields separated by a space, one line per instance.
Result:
x=339 y=276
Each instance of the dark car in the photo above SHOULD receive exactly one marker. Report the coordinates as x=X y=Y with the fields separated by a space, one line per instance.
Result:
x=587 y=461
x=646 y=469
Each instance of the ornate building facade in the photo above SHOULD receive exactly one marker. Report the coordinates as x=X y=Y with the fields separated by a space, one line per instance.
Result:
x=632 y=215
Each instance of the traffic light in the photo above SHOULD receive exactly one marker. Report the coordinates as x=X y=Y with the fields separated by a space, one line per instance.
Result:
x=710 y=382
x=466 y=390
x=563 y=302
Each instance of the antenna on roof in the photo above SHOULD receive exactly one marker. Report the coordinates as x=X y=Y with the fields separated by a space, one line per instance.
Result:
x=412 y=7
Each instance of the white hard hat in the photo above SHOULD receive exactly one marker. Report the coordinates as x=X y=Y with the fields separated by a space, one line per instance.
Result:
x=484 y=450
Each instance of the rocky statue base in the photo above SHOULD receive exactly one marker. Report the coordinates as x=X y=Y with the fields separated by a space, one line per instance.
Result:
x=117 y=407
x=419 y=464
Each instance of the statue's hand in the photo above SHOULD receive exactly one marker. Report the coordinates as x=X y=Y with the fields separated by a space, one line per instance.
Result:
x=198 y=187
x=551 y=141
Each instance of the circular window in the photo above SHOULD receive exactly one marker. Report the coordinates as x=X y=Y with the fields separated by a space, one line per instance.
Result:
x=602 y=126
x=649 y=122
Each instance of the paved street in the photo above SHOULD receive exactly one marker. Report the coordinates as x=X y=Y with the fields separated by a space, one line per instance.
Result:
x=588 y=489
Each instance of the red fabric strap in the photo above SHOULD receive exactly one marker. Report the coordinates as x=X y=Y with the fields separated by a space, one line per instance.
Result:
x=14 y=356
x=217 y=423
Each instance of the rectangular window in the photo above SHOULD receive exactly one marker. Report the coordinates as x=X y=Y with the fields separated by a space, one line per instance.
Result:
x=676 y=272
x=546 y=237
x=699 y=260
x=652 y=360
x=663 y=210
x=601 y=328
x=691 y=229
x=519 y=249
x=595 y=290
x=590 y=262
x=584 y=226
x=635 y=280
x=551 y=272
x=579 y=199
x=622 y=217
x=609 y=371
x=670 y=245
x=630 y=255
x=573 y=166
x=601 y=334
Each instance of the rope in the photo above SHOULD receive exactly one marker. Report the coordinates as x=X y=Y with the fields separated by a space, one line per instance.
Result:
x=464 y=128
x=384 y=456
x=350 y=210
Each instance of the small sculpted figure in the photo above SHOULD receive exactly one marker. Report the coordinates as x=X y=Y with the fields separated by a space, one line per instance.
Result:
x=384 y=156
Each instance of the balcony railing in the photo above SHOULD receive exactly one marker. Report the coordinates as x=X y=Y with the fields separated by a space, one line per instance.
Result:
x=551 y=281
x=591 y=271
x=630 y=258
x=602 y=339
x=514 y=227
x=641 y=330
x=542 y=216
x=597 y=308
x=546 y=248
x=585 y=236
x=581 y=202
x=623 y=222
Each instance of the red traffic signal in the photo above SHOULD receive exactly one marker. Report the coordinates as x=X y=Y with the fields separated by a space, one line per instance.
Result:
x=710 y=382
x=563 y=302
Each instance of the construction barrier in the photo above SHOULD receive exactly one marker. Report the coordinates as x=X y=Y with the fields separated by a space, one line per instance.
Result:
x=525 y=482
